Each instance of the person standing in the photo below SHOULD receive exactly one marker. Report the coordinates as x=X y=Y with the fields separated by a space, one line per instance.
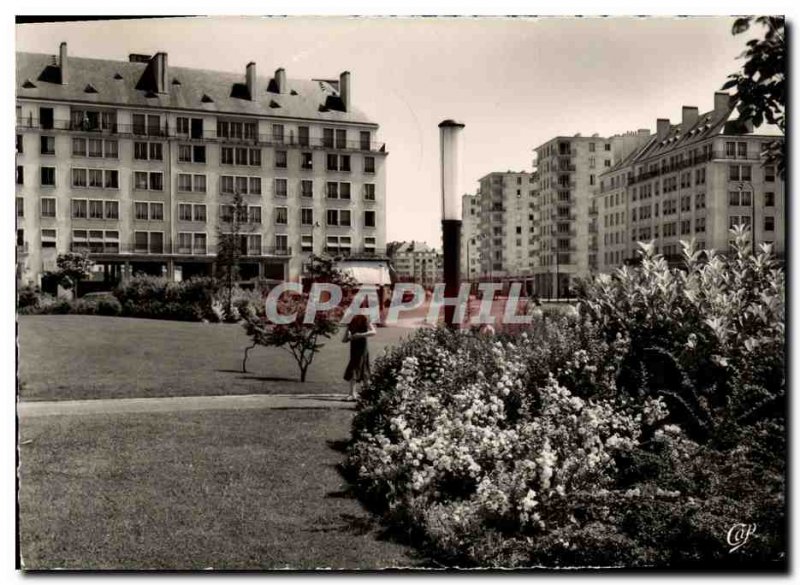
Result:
x=358 y=369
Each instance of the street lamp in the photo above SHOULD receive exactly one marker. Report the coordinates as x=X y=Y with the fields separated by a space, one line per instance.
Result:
x=450 y=153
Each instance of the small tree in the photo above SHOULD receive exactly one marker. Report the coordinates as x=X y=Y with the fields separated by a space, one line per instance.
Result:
x=229 y=250
x=73 y=267
x=300 y=339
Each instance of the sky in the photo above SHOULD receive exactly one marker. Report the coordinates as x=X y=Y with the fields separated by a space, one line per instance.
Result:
x=514 y=82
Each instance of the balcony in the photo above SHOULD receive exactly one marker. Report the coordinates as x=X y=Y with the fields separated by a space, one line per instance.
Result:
x=137 y=131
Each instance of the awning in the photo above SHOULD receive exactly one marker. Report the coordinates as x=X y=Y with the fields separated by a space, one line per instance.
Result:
x=375 y=272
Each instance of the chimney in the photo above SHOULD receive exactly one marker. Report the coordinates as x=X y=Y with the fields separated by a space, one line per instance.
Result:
x=344 y=89
x=280 y=80
x=160 y=72
x=690 y=115
x=251 y=80
x=62 y=63
x=721 y=100
x=662 y=128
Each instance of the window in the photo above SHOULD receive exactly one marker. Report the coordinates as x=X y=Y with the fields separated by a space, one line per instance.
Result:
x=277 y=133
x=369 y=193
x=78 y=178
x=327 y=137
x=141 y=210
x=747 y=198
x=95 y=209
x=700 y=225
x=281 y=215
x=200 y=243
x=254 y=214
x=48 y=238
x=199 y=212
x=369 y=219
x=48 y=207
x=607 y=147
x=48 y=176
x=369 y=164
x=254 y=157
x=280 y=159
x=184 y=182
x=185 y=212
x=95 y=178
x=280 y=187
x=282 y=243
x=733 y=198
x=146 y=125
x=306 y=188
x=341 y=138
x=333 y=162
x=182 y=125
x=156 y=181
x=48 y=145
x=306 y=216
x=185 y=242
x=307 y=243
x=21 y=207
x=700 y=201
x=156 y=211
x=769 y=174
x=254 y=187
x=344 y=190
x=365 y=140
x=332 y=190
x=21 y=175
x=302 y=135
x=79 y=147
x=306 y=161
x=20 y=149
x=254 y=244
x=769 y=223
x=344 y=163
x=607 y=163
x=79 y=209
x=333 y=217
x=769 y=199
x=591 y=146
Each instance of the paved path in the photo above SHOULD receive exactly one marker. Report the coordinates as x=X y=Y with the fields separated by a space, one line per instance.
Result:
x=183 y=403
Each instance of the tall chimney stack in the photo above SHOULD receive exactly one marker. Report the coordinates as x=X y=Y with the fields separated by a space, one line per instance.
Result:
x=690 y=115
x=662 y=128
x=344 y=89
x=251 y=80
x=280 y=79
x=160 y=72
x=722 y=100
x=63 y=65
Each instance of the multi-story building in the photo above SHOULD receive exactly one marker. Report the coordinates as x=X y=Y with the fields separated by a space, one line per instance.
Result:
x=470 y=237
x=418 y=262
x=506 y=223
x=138 y=163
x=695 y=179
x=568 y=170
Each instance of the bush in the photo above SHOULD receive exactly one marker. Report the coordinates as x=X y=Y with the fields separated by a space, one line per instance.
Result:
x=158 y=298
x=635 y=432
x=28 y=296
x=110 y=307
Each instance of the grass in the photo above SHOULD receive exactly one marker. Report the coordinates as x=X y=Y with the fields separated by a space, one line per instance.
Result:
x=65 y=357
x=221 y=489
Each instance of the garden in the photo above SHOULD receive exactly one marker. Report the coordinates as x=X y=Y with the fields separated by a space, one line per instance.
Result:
x=645 y=431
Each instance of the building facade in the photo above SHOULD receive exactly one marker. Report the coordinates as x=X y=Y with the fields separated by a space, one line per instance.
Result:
x=568 y=175
x=418 y=262
x=138 y=163
x=470 y=237
x=506 y=224
x=694 y=179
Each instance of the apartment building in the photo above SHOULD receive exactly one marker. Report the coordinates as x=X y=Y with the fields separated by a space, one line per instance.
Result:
x=568 y=174
x=506 y=224
x=470 y=237
x=694 y=179
x=138 y=163
x=418 y=262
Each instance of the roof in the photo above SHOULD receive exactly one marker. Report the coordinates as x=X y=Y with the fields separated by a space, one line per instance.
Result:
x=682 y=135
x=107 y=82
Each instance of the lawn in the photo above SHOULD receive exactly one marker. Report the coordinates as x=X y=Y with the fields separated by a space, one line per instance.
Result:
x=66 y=357
x=222 y=489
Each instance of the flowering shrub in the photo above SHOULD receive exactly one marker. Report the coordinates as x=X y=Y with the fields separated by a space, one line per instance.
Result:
x=597 y=438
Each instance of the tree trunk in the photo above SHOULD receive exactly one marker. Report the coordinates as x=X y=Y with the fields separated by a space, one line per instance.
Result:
x=303 y=370
x=244 y=361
